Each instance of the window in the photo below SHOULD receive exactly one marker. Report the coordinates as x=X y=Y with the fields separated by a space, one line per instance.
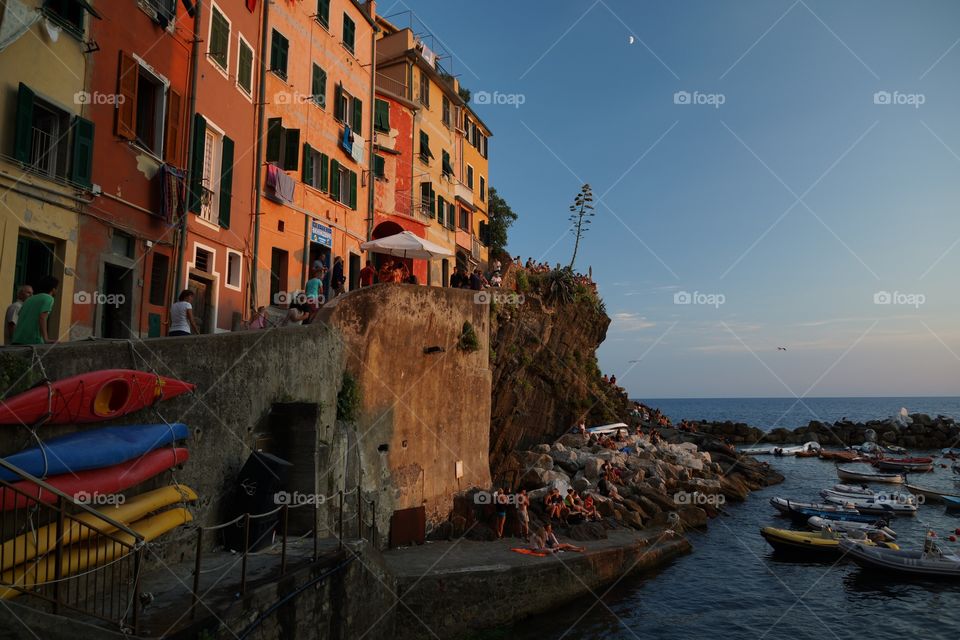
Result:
x=464 y=219
x=379 y=167
x=349 y=32
x=446 y=167
x=164 y=11
x=158 y=279
x=318 y=86
x=202 y=260
x=218 y=40
x=234 y=262
x=343 y=184
x=427 y=197
x=149 y=126
x=245 y=66
x=451 y=215
x=283 y=145
x=279 y=49
x=446 y=111
x=425 y=153
x=424 y=96
x=122 y=244
x=323 y=13
x=381 y=116
x=469 y=177
x=150 y=113
x=466 y=129
x=68 y=13
x=483 y=145
x=348 y=110
x=211 y=178
x=483 y=189
x=48 y=141
x=315 y=168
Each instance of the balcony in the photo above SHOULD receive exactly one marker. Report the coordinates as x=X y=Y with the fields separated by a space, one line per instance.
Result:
x=475 y=248
x=463 y=192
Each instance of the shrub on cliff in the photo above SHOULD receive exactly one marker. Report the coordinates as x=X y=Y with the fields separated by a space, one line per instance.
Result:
x=468 y=338
x=348 y=399
x=560 y=286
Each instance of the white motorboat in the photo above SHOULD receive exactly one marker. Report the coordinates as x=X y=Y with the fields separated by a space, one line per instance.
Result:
x=931 y=562
x=818 y=524
x=846 y=473
x=901 y=504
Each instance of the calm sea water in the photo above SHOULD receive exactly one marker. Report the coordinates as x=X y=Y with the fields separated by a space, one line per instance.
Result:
x=733 y=586
x=769 y=413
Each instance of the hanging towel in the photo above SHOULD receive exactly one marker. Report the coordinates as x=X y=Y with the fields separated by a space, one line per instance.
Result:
x=279 y=185
x=173 y=192
x=347 y=141
x=357 y=150
x=17 y=20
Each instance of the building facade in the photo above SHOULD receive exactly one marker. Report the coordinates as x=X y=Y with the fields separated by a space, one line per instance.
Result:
x=314 y=190
x=46 y=148
x=138 y=78
x=217 y=252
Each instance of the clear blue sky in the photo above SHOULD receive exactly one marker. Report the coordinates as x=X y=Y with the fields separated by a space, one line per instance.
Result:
x=797 y=200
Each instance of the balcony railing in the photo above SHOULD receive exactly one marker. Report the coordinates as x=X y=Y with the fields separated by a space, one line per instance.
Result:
x=462 y=191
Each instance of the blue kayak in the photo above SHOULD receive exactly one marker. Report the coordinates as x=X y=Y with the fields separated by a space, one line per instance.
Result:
x=93 y=449
x=953 y=503
x=803 y=514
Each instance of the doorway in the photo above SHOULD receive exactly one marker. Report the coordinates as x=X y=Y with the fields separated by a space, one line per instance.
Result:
x=278 y=275
x=321 y=253
x=201 y=301
x=115 y=301
x=354 y=272
x=445 y=273
x=34 y=260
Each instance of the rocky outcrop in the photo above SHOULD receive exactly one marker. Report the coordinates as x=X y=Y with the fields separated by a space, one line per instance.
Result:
x=919 y=431
x=545 y=373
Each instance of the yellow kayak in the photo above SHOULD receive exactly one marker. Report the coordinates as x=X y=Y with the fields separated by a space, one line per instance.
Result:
x=818 y=544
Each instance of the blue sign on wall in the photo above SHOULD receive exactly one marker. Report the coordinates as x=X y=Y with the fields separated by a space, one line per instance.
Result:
x=321 y=233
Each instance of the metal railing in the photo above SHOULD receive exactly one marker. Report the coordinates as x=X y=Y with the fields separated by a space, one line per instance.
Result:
x=83 y=562
x=363 y=530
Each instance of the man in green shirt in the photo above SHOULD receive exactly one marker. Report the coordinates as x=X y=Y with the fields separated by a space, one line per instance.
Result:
x=32 y=323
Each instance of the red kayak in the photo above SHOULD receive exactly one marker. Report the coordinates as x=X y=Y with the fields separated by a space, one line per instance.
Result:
x=95 y=481
x=90 y=397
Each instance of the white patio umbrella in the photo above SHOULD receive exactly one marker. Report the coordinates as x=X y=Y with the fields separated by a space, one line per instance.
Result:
x=407 y=245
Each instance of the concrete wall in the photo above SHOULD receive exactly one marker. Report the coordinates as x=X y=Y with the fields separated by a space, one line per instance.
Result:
x=429 y=411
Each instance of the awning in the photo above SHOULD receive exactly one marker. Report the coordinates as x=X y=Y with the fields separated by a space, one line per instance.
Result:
x=407 y=245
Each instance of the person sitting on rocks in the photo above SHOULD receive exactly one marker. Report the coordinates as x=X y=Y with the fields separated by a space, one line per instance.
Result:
x=554 y=503
x=553 y=544
x=590 y=507
x=539 y=542
x=619 y=437
x=570 y=502
x=606 y=488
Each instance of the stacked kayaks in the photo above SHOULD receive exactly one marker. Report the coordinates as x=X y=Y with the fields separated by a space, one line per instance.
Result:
x=93 y=462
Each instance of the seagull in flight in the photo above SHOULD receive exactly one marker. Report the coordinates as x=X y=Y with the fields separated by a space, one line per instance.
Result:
x=781 y=348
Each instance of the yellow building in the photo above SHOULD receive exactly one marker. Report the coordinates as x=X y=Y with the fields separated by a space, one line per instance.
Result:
x=46 y=147
x=444 y=160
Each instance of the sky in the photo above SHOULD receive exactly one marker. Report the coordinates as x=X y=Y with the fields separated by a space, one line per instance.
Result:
x=768 y=173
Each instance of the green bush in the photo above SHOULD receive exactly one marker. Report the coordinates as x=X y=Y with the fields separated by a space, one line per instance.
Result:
x=348 y=399
x=523 y=282
x=468 y=338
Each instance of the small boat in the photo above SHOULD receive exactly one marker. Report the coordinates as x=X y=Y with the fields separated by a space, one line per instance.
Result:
x=90 y=397
x=914 y=465
x=883 y=504
x=841 y=456
x=823 y=544
x=93 y=449
x=950 y=451
x=854 y=491
x=802 y=515
x=930 y=495
x=892 y=448
x=845 y=473
x=809 y=453
x=787 y=507
x=952 y=502
x=816 y=523
x=780 y=450
x=932 y=562
x=609 y=429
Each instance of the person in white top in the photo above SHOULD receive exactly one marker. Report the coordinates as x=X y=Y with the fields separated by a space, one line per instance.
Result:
x=13 y=312
x=181 y=316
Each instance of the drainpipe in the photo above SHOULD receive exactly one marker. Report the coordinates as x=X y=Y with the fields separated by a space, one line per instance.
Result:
x=258 y=171
x=372 y=8
x=192 y=110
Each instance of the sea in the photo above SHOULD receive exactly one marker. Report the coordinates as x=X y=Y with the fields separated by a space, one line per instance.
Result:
x=733 y=586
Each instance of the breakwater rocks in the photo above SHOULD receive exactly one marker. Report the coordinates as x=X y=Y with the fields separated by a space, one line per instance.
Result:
x=918 y=431
x=687 y=474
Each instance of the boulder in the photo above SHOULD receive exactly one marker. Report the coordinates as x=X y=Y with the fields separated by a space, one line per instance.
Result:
x=591 y=468
x=534 y=459
x=542 y=448
x=566 y=460
x=692 y=516
x=587 y=531
x=556 y=446
x=574 y=440
x=536 y=478
x=605 y=508
x=628 y=517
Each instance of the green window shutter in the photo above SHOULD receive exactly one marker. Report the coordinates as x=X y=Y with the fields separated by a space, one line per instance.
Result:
x=291 y=155
x=353 y=190
x=440 y=210
x=334 y=179
x=274 y=139
x=308 y=165
x=358 y=116
x=379 y=166
x=219 y=39
x=349 y=32
x=226 y=183
x=324 y=172
x=81 y=168
x=23 y=137
x=279 y=48
x=446 y=166
x=319 y=86
x=323 y=12
x=338 y=103
x=381 y=116
x=196 y=163
x=245 y=68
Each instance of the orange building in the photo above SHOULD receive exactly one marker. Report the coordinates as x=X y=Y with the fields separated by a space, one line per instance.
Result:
x=446 y=165
x=217 y=254
x=138 y=82
x=314 y=187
